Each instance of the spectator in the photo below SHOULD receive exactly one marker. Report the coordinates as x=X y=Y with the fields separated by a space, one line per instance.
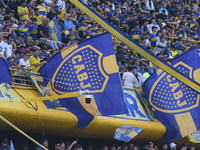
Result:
x=23 y=11
x=43 y=33
x=35 y=61
x=44 y=142
x=138 y=78
x=68 y=24
x=128 y=78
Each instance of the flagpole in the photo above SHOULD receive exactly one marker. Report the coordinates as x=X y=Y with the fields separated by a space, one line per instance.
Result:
x=16 y=128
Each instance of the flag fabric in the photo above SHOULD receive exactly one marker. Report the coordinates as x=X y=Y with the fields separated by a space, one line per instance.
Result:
x=55 y=30
x=6 y=93
x=126 y=133
x=5 y=76
x=91 y=65
x=195 y=137
x=175 y=104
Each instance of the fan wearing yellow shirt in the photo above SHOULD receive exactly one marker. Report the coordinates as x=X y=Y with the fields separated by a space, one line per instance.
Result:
x=35 y=61
x=38 y=16
x=173 y=52
x=23 y=11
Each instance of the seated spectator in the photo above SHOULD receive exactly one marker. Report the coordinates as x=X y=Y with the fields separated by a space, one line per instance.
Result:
x=8 y=46
x=23 y=28
x=38 y=16
x=68 y=23
x=3 y=51
x=35 y=61
x=43 y=33
x=44 y=55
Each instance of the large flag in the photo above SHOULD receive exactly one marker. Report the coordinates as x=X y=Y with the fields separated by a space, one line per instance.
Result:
x=174 y=103
x=5 y=76
x=90 y=65
x=55 y=30
x=126 y=133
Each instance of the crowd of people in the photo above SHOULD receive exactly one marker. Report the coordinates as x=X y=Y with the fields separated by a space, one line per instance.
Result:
x=75 y=145
x=167 y=28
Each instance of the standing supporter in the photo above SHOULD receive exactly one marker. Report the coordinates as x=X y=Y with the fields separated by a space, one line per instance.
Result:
x=8 y=46
x=42 y=9
x=173 y=52
x=149 y=5
x=57 y=146
x=164 y=146
x=136 y=33
x=35 y=61
x=132 y=23
x=82 y=25
x=43 y=33
x=128 y=78
x=52 y=13
x=153 y=36
x=145 y=73
x=38 y=16
x=62 y=145
x=49 y=3
x=23 y=11
x=23 y=28
x=183 y=147
x=32 y=30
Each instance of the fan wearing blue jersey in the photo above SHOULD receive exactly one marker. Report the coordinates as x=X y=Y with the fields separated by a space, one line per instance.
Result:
x=32 y=30
x=136 y=33
x=153 y=36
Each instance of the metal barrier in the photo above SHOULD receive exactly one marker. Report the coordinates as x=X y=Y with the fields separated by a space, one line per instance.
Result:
x=20 y=77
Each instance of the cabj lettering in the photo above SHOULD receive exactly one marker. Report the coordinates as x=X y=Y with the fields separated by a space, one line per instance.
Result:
x=177 y=95
x=78 y=68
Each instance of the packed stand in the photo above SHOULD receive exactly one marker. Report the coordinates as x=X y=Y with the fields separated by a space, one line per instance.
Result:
x=75 y=145
x=166 y=28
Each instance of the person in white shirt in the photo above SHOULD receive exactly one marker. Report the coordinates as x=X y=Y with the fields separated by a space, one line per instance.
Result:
x=23 y=64
x=149 y=5
x=8 y=46
x=49 y=3
x=160 y=46
x=127 y=78
x=138 y=78
x=3 y=51
x=61 y=4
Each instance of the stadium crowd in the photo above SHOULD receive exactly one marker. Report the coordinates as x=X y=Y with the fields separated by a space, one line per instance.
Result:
x=62 y=145
x=167 y=28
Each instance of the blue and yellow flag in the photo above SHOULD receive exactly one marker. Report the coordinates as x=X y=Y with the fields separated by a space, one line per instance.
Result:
x=6 y=94
x=175 y=104
x=5 y=76
x=55 y=30
x=126 y=133
x=90 y=65
x=195 y=137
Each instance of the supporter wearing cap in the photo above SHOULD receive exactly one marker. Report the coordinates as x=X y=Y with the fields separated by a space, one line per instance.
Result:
x=68 y=23
x=32 y=30
x=11 y=13
x=165 y=57
x=136 y=33
x=43 y=33
x=128 y=78
x=23 y=11
x=23 y=28
x=38 y=16
x=35 y=61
